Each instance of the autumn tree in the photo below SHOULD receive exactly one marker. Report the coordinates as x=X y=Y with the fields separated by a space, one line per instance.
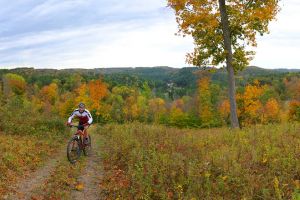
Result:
x=157 y=109
x=49 y=93
x=129 y=96
x=143 y=108
x=292 y=86
x=224 y=109
x=91 y=94
x=131 y=108
x=222 y=31
x=67 y=104
x=204 y=101
x=13 y=84
x=176 y=112
x=271 y=111
x=97 y=91
x=116 y=103
x=49 y=97
x=118 y=99
x=250 y=105
x=82 y=94
x=294 y=110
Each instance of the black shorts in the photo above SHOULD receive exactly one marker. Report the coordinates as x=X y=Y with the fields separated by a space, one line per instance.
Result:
x=80 y=127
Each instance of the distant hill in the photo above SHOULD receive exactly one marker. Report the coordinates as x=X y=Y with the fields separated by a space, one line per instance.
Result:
x=183 y=79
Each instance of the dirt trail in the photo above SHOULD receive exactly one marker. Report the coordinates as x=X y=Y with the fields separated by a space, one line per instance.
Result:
x=91 y=175
x=90 y=178
x=24 y=188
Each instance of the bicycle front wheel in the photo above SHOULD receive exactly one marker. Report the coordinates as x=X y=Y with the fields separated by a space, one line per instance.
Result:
x=73 y=150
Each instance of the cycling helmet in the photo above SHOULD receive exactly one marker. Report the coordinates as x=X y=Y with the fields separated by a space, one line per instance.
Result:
x=81 y=105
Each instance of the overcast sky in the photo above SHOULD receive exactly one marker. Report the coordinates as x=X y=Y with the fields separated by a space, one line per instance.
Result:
x=114 y=33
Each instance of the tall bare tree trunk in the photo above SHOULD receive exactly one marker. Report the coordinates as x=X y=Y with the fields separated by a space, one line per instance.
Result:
x=229 y=59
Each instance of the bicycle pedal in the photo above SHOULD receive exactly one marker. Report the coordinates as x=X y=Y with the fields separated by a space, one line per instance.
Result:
x=76 y=137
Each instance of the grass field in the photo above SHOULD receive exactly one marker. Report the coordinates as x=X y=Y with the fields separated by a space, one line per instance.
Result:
x=26 y=145
x=156 y=162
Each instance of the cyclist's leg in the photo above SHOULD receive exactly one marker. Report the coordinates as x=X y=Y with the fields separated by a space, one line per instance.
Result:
x=80 y=130
x=85 y=135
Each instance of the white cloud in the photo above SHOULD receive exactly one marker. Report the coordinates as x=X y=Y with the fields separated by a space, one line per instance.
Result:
x=113 y=33
x=110 y=45
x=280 y=48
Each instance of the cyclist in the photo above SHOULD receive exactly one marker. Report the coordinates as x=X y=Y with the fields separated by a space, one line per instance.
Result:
x=85 y=119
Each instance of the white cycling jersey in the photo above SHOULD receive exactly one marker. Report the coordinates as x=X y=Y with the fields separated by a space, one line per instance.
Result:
x=84 y=117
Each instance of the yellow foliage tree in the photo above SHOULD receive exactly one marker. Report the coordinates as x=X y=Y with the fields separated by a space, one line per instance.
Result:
x=13 y=84
x=176 y=112
x=204 y=100
x=49 y=93
x=82 y=95
x=66 y=105
x=157 y=108
x=130 y=108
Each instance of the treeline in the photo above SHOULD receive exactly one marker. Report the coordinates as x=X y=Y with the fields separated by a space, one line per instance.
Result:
x=166 y=82
x=120 y=98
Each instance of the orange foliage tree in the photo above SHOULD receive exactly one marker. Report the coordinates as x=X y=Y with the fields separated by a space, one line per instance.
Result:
x=250 y=107
x=91 y=94
x=271 y=111
x=97 y=91
x=49 y=97
x=49 y=93
x=224 y=109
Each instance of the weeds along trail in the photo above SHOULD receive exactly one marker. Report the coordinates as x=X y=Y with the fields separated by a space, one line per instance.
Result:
x=22 y=157
x=59 y=179
x=23 y=189
x=156 y=162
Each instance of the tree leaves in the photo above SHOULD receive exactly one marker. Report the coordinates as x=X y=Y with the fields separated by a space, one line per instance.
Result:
x=201 y=20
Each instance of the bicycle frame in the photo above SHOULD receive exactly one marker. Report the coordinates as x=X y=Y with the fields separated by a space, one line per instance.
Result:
x=79 y=134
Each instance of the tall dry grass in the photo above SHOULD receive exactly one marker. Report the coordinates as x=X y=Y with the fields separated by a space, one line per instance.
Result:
x=155 y=162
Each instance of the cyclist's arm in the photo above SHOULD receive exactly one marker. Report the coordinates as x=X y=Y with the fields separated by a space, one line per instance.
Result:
x=71 y=117
x=90 y=118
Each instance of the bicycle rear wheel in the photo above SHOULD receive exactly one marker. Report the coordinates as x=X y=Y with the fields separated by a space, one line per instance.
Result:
x=73 y=150
x=88 y=148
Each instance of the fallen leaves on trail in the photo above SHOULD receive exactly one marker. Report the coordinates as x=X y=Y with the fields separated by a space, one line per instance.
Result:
x=79 y=187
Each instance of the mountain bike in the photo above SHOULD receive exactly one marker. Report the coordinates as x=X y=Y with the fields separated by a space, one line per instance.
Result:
x=76 y=145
